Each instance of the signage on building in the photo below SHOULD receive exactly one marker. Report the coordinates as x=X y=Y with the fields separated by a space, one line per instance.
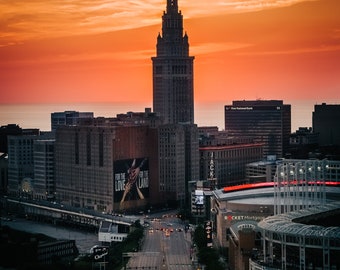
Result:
x=131 y=179
x=208 y=232
x=242 y=217
x=252 y=108
x=99 y=252
x=199 y=197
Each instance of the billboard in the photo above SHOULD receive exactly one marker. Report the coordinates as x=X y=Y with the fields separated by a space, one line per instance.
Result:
x=131 y=179
x=199 y=197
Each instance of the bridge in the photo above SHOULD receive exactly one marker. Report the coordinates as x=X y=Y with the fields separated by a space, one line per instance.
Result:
x=54 y=213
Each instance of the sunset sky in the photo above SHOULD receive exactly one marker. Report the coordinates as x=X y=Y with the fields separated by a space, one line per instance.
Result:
x=100 y=50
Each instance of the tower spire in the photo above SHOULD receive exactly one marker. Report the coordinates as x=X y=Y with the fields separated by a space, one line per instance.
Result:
x=173 y=70
x=172 y=5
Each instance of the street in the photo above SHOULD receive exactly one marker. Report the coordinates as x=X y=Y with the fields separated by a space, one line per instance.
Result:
x=166 y=246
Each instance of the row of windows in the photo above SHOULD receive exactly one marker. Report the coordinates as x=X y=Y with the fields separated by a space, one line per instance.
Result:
x=88 y=149
x=231 y=153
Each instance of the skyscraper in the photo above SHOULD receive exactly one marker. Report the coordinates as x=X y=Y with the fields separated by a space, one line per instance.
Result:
x=173 y=91
x=173 y=101
x=266 y=121
x=326 y=122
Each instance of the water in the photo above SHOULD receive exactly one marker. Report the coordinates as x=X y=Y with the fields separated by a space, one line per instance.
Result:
x=206 y=113
x=84 y=240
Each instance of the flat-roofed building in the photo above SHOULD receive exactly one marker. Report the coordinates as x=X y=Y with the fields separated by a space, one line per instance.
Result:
x=229 y=160
x=262 y=171
x=105 y=168
x=326 y=122
x=44 y=178
x=68 y=118
x=266 y=121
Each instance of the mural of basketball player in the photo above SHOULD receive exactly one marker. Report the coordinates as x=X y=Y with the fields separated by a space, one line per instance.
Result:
x=131 y=186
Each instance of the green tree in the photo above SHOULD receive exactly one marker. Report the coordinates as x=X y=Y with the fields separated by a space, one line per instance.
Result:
x=200 y=238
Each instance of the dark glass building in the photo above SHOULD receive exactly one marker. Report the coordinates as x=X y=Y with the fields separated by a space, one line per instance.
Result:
x=266 y=121
x=326 y=122
x=173 y=94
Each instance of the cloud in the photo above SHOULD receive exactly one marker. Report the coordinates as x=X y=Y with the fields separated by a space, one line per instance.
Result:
x=316 y=49
x=207 y=48
x=35 y=19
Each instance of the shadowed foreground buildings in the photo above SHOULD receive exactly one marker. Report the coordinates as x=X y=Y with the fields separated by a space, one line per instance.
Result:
x=121 y=167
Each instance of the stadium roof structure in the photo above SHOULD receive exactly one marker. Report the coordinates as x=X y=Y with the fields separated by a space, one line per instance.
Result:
x=262 y=193
x=294 y=223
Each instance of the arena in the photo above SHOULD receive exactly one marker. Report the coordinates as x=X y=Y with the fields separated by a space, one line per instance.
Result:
x=291 y=223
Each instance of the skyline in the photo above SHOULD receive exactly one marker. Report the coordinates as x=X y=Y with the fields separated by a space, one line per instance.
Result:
x=87 y=51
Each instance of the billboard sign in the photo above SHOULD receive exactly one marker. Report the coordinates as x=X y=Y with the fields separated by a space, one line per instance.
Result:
x=199 y=197
x=208 y=232
x=131 y=179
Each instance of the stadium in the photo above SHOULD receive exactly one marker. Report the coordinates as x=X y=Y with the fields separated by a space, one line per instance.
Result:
x=290 y=223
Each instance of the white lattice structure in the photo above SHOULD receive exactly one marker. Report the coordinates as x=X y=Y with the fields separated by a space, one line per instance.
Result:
x=303 y=233
x=300 y=184
x=289 y=243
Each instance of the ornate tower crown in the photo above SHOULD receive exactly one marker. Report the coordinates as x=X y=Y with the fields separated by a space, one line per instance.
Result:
x=172 y=6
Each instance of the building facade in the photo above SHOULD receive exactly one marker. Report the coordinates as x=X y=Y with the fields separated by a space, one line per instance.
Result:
x=173 y=89
x=226 y=157
x=21 y=169
x=326 y=122
x=178 y=160
x=3 y=173
x=266 y=121
x=173 y=102
x=20 y=164
x=44 y=180
x=106 y=168
x=262 y=171
x=68 y=118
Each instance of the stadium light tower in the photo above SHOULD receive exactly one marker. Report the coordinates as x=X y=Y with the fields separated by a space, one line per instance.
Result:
x=299 y=184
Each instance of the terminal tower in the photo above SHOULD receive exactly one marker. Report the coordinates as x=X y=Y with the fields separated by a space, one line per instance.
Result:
x=173 y=90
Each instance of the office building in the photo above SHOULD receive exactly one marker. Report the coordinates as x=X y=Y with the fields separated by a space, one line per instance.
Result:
x=21 y=163
x=3 y=173
x=173 y=101
x=106 y=168
x=173 y=89
x=263 y=170
x=228 y=156
x=178 y=160
x=69 y=118
x=266 y=121
x=44 y=181
x=13 y=129
x=326 y=122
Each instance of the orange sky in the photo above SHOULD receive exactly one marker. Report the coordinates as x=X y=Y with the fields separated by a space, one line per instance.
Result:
x=100 y=50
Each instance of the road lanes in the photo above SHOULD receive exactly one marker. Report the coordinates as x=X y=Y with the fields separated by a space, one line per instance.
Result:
x=166 y=246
